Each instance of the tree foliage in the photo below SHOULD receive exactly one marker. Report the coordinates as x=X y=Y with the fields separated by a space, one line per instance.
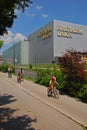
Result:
x=73 y=71
x=1 y=43
x=8 y=14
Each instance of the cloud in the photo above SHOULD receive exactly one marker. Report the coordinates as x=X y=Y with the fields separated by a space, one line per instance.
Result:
x=39 y=7
x=11 y=37
x=44 y=15
x=18 y=37
x=30 y=14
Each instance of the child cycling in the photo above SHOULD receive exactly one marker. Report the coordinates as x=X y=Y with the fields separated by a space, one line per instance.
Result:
x=52 y=85
x=19 y=76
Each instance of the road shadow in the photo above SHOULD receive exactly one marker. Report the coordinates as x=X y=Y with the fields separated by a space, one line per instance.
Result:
x=7 y=119
x=6 y=99
x=8 y=122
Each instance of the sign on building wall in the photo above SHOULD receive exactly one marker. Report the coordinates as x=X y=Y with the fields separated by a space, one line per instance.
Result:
x=45 y=33
x=67 y=31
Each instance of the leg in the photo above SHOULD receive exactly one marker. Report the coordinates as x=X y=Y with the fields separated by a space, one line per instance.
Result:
x=49 y=92
x=56 y=93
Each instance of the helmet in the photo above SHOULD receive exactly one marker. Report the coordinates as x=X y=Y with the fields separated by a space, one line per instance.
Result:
x=53 y=78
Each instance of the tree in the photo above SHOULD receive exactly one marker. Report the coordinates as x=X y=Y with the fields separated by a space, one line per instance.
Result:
x=1 y=43
x=73 y=71
x=7 y=12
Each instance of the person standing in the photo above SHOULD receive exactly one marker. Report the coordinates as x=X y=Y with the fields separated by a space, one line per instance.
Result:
x=9 y=72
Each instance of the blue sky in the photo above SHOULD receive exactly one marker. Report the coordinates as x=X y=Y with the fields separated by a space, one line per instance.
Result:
x=42 y=12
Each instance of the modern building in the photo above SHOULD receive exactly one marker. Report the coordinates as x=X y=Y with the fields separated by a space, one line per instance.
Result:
x=48 y=43
x=18 y=54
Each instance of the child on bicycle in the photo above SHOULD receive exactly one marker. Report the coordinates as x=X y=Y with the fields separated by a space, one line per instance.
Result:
x=52 y=84
x=19 y=76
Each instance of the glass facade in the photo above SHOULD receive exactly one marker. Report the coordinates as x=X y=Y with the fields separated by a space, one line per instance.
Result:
x=18 y=54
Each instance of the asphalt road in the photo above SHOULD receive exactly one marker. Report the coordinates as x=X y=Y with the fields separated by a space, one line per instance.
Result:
x=26 y=106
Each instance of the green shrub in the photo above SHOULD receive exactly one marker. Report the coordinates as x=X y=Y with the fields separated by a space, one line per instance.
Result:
x=4 y=68
x=30 y=66
x=44 y=76
x=71 y=88
x=85 y=76
x=82 y=94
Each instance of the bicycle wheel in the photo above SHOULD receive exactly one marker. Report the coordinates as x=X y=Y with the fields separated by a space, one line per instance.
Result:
x=56 y=93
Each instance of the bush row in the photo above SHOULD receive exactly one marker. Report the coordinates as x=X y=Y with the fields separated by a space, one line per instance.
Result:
x=4 y=68
x=75 y=89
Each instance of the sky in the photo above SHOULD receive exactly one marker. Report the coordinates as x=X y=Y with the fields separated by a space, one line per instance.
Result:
x=40 y=13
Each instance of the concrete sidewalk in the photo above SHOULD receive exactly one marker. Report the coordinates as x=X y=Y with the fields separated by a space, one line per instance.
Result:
x=70 y=107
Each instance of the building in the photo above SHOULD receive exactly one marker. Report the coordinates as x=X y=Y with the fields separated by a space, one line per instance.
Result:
x=48 y=43
x=17 y=54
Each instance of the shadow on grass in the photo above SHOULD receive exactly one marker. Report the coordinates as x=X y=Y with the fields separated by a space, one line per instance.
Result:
x=10 y=122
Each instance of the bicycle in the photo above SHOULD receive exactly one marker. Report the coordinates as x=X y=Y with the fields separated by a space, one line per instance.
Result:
x=53 y=92
x=19 y=79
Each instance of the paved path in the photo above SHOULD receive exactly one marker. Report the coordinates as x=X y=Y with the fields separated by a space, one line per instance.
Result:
x=70 y=107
